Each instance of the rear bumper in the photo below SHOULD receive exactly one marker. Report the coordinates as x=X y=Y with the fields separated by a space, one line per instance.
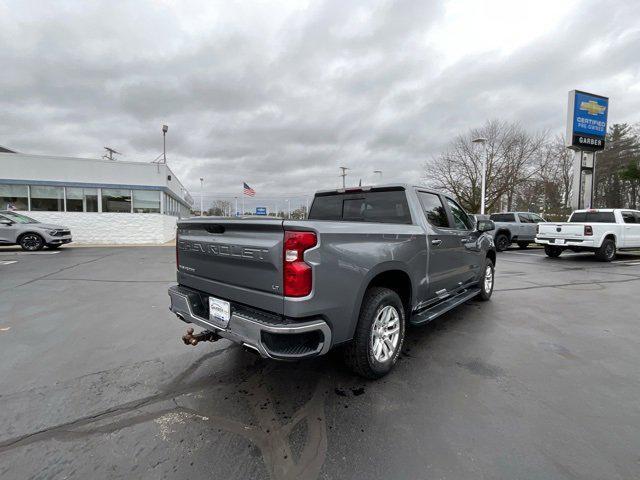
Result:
x=270 y=336
x=567 y=242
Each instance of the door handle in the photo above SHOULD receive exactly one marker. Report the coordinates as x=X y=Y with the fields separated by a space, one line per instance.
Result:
x=464 y=239
x=436 y=242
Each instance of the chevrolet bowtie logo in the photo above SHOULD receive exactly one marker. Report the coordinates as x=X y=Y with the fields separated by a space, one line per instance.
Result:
x=593 y=107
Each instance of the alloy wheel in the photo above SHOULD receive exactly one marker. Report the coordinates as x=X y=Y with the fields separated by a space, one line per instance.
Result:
x=488 y=279
x=31 y=242
x=385 y=333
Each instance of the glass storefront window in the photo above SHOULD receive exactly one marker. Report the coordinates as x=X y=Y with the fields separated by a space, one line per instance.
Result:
x=116 y=200
x=146 y=201
x=82 y=199
x=14 y=197
x=47 y=199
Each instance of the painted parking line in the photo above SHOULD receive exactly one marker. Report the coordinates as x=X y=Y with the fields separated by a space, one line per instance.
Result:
x=7 y=262
x=30 y=253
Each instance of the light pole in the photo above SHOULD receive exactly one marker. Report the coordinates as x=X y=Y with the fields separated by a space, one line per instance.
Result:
x=165 y=129
x=201 y=194
x=344 y=175
x=483 y=141
x=378 y=172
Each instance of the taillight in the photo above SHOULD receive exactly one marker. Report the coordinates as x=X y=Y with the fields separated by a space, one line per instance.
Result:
x=297 y=274
x=588 y=230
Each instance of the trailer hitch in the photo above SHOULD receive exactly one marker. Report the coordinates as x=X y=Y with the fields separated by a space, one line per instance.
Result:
x=205 y=336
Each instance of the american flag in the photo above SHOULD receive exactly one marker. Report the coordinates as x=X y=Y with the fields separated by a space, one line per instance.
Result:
x=249 y=191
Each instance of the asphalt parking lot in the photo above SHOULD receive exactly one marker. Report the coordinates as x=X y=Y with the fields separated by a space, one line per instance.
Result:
x=543 y=382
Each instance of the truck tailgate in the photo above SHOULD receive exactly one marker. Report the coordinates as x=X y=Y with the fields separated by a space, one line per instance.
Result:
x=235 y=259
x=561 y=230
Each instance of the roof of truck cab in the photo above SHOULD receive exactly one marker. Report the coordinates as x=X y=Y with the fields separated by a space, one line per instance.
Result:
x=502 y=213
x=377 y=187
x=600 y=210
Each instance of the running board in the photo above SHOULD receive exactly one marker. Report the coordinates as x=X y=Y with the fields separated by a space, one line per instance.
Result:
x=431 y=313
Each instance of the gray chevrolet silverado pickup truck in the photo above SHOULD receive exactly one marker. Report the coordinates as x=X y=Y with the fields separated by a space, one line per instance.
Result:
x=367 y=261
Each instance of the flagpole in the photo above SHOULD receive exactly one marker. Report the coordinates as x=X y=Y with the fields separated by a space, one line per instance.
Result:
x=242 y=201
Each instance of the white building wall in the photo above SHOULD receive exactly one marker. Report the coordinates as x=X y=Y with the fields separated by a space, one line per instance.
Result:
x=19 y=166
x=113 y=228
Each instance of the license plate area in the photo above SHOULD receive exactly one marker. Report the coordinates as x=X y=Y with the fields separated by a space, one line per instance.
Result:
x=559 y=241
x=219 y=312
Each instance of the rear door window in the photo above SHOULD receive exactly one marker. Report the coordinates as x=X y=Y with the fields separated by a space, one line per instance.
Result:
x=434 y=209
x=628 y=217
x=593 y=217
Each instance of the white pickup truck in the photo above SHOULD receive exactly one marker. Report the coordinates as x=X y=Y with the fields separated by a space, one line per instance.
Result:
x=602 y=231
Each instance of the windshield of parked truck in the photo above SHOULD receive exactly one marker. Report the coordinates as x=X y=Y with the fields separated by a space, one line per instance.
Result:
x=376 y=205
x=593 y=217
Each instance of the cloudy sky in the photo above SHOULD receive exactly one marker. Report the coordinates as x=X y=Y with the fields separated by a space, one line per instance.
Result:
x=279 y=94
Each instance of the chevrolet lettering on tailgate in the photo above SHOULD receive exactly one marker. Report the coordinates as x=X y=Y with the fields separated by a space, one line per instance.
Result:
x=224 y=250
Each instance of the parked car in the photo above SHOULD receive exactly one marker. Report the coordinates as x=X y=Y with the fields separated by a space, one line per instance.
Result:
x=601 y=231
x=515 y=227
x=30 y=234
x=367 y=261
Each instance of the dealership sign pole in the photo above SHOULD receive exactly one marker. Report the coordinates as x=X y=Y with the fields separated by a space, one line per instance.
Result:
x=586 y=130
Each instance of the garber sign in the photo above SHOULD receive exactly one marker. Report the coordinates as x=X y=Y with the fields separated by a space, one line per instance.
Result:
x=586 y=120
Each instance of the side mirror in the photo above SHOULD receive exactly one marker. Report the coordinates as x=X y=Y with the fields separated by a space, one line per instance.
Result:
x=6 y=221
x=486 y=225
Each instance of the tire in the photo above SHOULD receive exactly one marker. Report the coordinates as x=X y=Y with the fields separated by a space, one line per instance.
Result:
x=54 y=247
x=487 y=280
x=552 y=251
x=523 y=245
x=370 y=355
x=502 y=242
x=31 y=242
x=607 y=250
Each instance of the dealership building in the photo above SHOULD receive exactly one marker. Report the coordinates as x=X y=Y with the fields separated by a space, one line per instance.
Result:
x=101 y=201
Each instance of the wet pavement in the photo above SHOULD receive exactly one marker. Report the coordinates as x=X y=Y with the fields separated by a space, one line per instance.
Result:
x=541 y=382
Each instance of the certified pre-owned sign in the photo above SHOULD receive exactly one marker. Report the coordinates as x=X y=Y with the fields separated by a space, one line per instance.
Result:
x=586 y=120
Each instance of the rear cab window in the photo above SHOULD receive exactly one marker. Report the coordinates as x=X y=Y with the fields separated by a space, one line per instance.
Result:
x=592 y=217
x=385 y=205
x=503 y=217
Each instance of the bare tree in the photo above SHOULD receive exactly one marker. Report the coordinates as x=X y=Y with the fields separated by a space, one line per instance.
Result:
x=512 y=158
x=554 y=176
x=219 y=208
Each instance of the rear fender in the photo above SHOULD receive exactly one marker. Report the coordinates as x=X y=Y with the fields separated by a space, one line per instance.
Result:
x=366 y=282
x=605 y=235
